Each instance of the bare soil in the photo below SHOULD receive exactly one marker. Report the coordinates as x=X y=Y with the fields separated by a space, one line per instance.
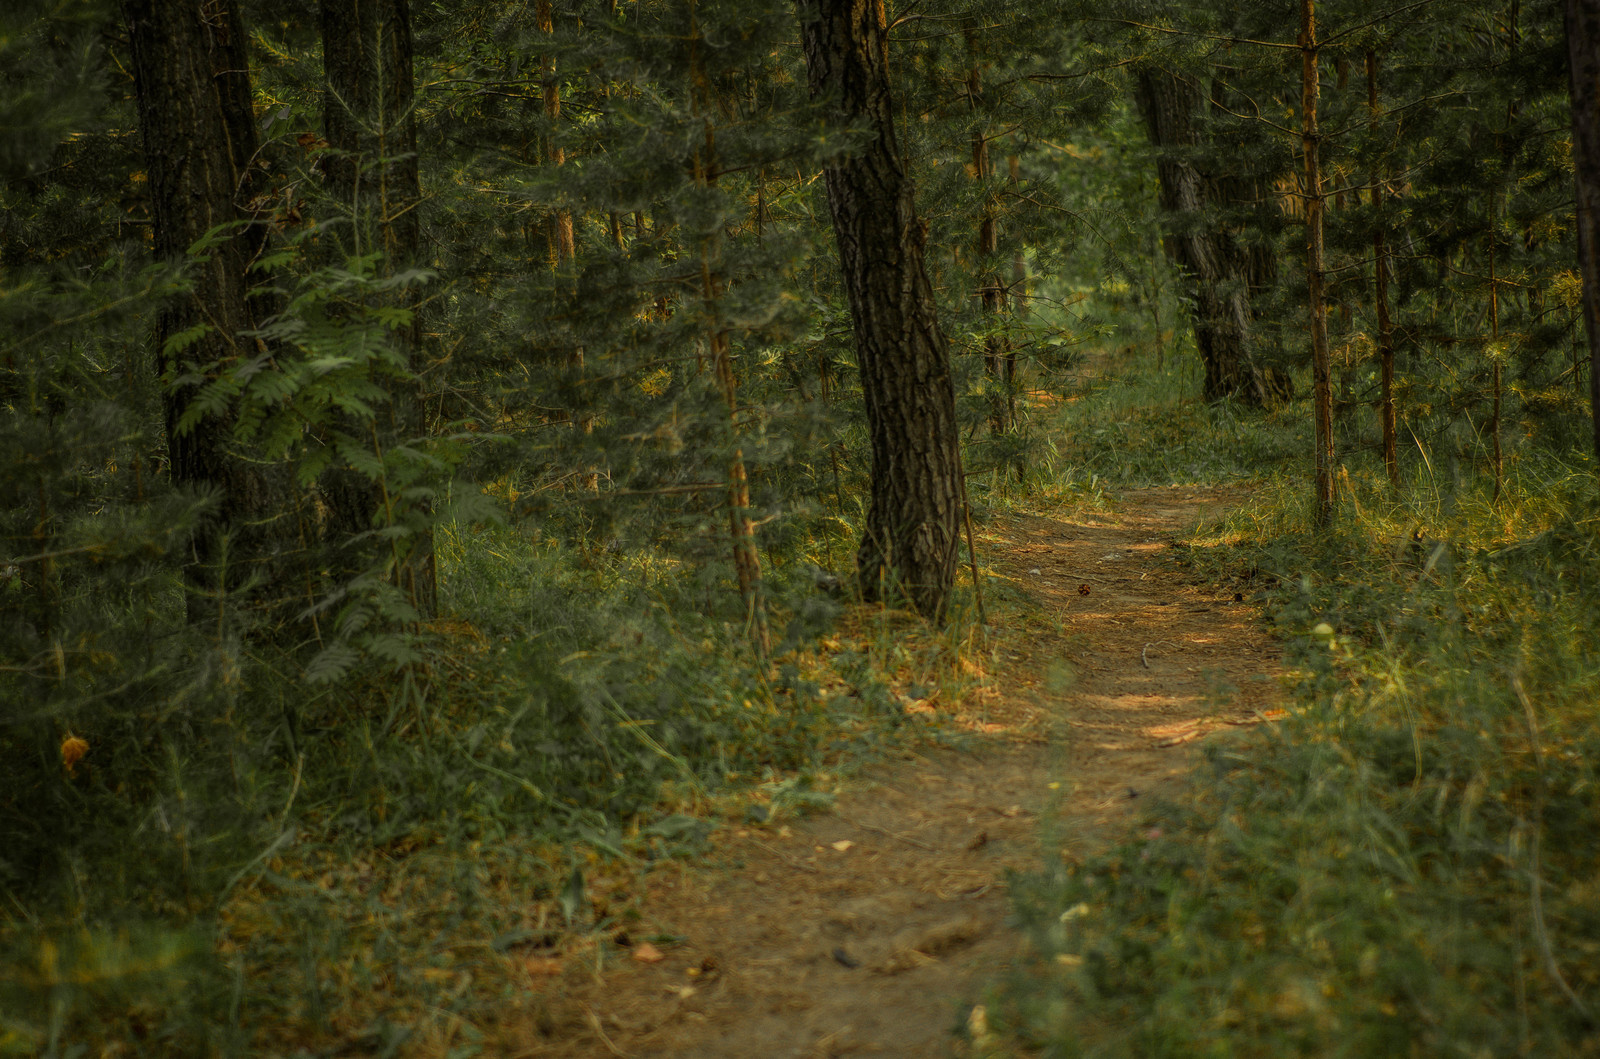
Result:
x=872 y=928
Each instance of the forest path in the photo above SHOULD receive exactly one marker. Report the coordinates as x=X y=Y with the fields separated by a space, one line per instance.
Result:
x=872 y=927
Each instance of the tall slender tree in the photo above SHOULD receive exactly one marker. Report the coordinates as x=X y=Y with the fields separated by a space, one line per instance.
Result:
x=200 y=146
x=1582 y=19
x=1380 y=270
x=1316 y=267
x=912 y=536
x=999 y=362
x=372 y=168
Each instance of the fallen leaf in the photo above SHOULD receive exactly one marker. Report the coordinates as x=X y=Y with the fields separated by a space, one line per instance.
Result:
x=645 y=952
x=72 y=751
x=843 y=844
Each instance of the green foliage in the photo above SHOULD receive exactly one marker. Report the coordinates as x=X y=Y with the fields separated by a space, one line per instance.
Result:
x=234 y=817
x=1399 y=866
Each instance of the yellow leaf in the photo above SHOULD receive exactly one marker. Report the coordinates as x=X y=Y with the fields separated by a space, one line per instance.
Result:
x=72 y=751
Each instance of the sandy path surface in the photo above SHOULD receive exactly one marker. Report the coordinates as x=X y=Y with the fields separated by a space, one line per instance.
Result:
x=872 y=927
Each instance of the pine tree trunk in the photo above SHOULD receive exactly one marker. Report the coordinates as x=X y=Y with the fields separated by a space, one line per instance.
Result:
x=372 y=167
x=1017 y=296
x=1498 y=395
x=913 y=525
x=193 y=88
x=1583 y=58
x=1380 y=265
x=991 y=289
x=562 y=247
x=741 y=527
x=1316 y=270
x=1216 y=271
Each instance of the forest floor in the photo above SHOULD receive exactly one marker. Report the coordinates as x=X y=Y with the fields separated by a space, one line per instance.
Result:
x=872 y=927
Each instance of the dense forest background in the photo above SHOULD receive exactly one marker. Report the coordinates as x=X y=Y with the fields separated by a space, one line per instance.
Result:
x=482 y=433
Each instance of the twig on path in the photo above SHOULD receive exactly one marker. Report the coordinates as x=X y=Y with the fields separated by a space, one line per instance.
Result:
x=1145 y=661
x=776 y=852
x=1268 y=717
x=1185 y=737
x=594 y=1024
x=1207 y=725
x=907 y=839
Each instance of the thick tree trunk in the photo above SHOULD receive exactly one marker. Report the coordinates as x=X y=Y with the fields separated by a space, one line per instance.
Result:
x=372 y=167
x=193 y=89
x=1316 y=269
x=913 y=525
x=1380 y=266
x=1216 y=270
x=1583 y=58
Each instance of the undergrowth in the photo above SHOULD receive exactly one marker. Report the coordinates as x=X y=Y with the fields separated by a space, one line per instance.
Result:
x=1404 y=865
x=1132 y=423
x=388 y=865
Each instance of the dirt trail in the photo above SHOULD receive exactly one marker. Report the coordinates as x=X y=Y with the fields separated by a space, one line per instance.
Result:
x=871 y=928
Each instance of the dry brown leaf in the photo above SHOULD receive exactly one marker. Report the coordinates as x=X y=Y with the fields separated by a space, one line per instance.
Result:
x=72 y=751
x=645 y=952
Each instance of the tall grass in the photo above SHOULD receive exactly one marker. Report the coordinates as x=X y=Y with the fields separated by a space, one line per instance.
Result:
x=1404 y=865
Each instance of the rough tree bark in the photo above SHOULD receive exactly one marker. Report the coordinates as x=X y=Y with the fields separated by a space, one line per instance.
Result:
x=1316 y=269
x=372 y=167
x=911 y=540
x=1583 y=58
x=1216 y=270
x=193 y=88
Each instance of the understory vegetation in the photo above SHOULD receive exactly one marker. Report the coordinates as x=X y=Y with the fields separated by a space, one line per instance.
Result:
x=1404 y=863
x=455 y=457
